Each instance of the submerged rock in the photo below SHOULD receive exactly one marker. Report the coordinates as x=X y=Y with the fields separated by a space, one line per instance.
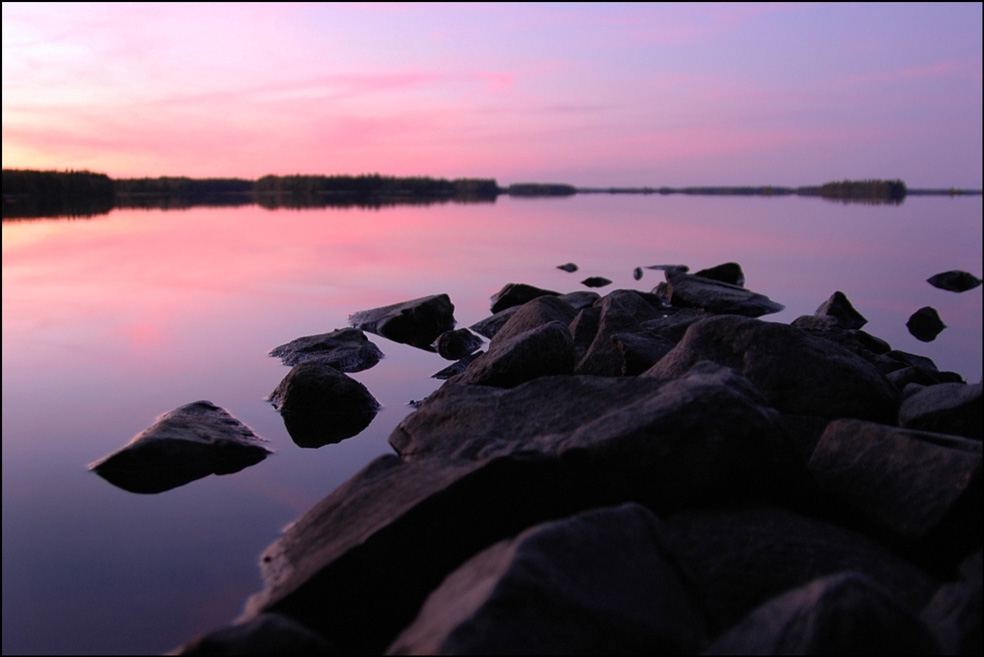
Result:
x=347 y=350
x=954 y=281
x=925 y=324
x=417 y=322
x=188 y=443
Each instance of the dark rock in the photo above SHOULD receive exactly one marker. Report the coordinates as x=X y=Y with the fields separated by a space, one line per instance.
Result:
x=954 y=614
x=596 y=281
x=266 y=634
x=912 y=374
x=555 y=589
x=902 y=481
x=637 y=273
x=533 y=314
x=799 y=373
x=348 y=350
x=844 y=614
x=569 y=267
x=456 y=344
x=739 y=557
x=672 y=323
x=417 y=322
x=541 y=351
x=729 y=272
x=188 y=443
x=320 y=405
x=953 y=408
x=954 y=281
x=840 y=309
x=491 y=325
x=456 y=367
x=681 y=268
x=621 y=312
x=516 y=294
x=580 y=298
x=925 y=324
x=689 y=291
x=639 y=352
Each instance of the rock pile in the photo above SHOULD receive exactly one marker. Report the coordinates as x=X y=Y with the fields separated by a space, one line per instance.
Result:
x=650 y=473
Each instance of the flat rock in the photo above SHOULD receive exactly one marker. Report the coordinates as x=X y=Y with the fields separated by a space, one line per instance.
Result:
x=417 y=322
x=596 y=281
x=954 y=281
x=690 y=291
x=556 y=589
x=925 y=324
x=347 y=350
x=321 y=405
x=188 y=443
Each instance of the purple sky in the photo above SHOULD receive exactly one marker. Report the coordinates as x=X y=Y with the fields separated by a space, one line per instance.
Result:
x=588 y=94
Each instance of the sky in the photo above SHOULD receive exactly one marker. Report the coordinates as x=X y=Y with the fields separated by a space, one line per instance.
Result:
x=591 y=94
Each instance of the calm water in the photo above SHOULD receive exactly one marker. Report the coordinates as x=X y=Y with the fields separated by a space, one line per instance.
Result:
x=111 y=321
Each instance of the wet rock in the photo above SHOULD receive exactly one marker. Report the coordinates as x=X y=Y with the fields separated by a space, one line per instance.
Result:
x=417 y=322
x=188 y=443
x=550 y=591
x=516 y=294
x=954 y=281
x=347 y=350
x=844 y=614
x=321 y=405
x=456 y=344
x=843 y=313
x=689 y=291
x=925 y=324
x=570 y=267
x=953 y=408
x=729 y=272
x=800 y=373
x=596 y=281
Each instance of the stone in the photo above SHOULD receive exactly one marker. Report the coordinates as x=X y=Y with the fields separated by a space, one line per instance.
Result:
x=417 y=322
x=620 y=312
x=954 y=613
x=321 y=405
x=185 y=444
x=843 y=313
x=596 y=281
x=925 y=324
x=954 y=281
x=953 y=408
x=456 y=344
x=637 y=273
x=541 y=351
x=557 y=589
x=457 y=367
x=570 y=267
x=729 y=272
x=516 y=294
x=266 y=634
x=347 y=350
x=689 y=291
x=843 y=614
x=799 y=373
x=534 y=314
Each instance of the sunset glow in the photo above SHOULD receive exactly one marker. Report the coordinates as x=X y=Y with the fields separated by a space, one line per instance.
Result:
x=588 y=94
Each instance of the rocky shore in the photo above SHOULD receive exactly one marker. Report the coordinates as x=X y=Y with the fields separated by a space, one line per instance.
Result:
x=633 y=472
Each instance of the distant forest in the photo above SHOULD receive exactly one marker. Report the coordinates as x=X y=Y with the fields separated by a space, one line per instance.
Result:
x=31 y=193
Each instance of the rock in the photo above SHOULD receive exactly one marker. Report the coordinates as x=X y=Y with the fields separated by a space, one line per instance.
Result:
x=954 y=281
x=320 y=405
x=637 y=273
x=840 y=309
x=456 y=367
x=953 y=408
x=570 y=267
x=516 y=294
x=681 y=268
x=580 y=298
x=639 y=352
x=843 y=614
x=188 y=443
x=491 y=325
x=799 y=373
x=541 y=351
x=417 y=322
x=620 y=312
x=925 y=324
x=596 y=281
x=729 y=272
x=347 y=350
x=689 y=291
x=556 y=589
x=456 y=344
x=672 y=323
x=903 y=481
x=534 y=314
x=267 y=634
x=954 y=614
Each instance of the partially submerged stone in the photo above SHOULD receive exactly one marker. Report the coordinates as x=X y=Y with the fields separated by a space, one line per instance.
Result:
x=954 y=281
x=188 y=443
x=321 y=405
x=347 y=350
x=516 y=294
x=690 y=291
x=456 y=344
x=570 y=267
x=417 y=322
x=925 y=324
x=596 y=281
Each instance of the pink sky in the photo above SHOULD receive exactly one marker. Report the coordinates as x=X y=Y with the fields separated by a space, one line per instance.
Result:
x=589 y=94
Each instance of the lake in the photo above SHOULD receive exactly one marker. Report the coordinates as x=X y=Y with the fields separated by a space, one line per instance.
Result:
x=110 y=321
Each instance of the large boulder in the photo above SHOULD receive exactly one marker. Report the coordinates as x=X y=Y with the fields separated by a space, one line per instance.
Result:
x=188 y=443
x=542 y=351
x=691 y=291
x=321 y=405
x=347 y=350
x=595 y=583
x=799 y=373
x=417 y=322
x=620 y=312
